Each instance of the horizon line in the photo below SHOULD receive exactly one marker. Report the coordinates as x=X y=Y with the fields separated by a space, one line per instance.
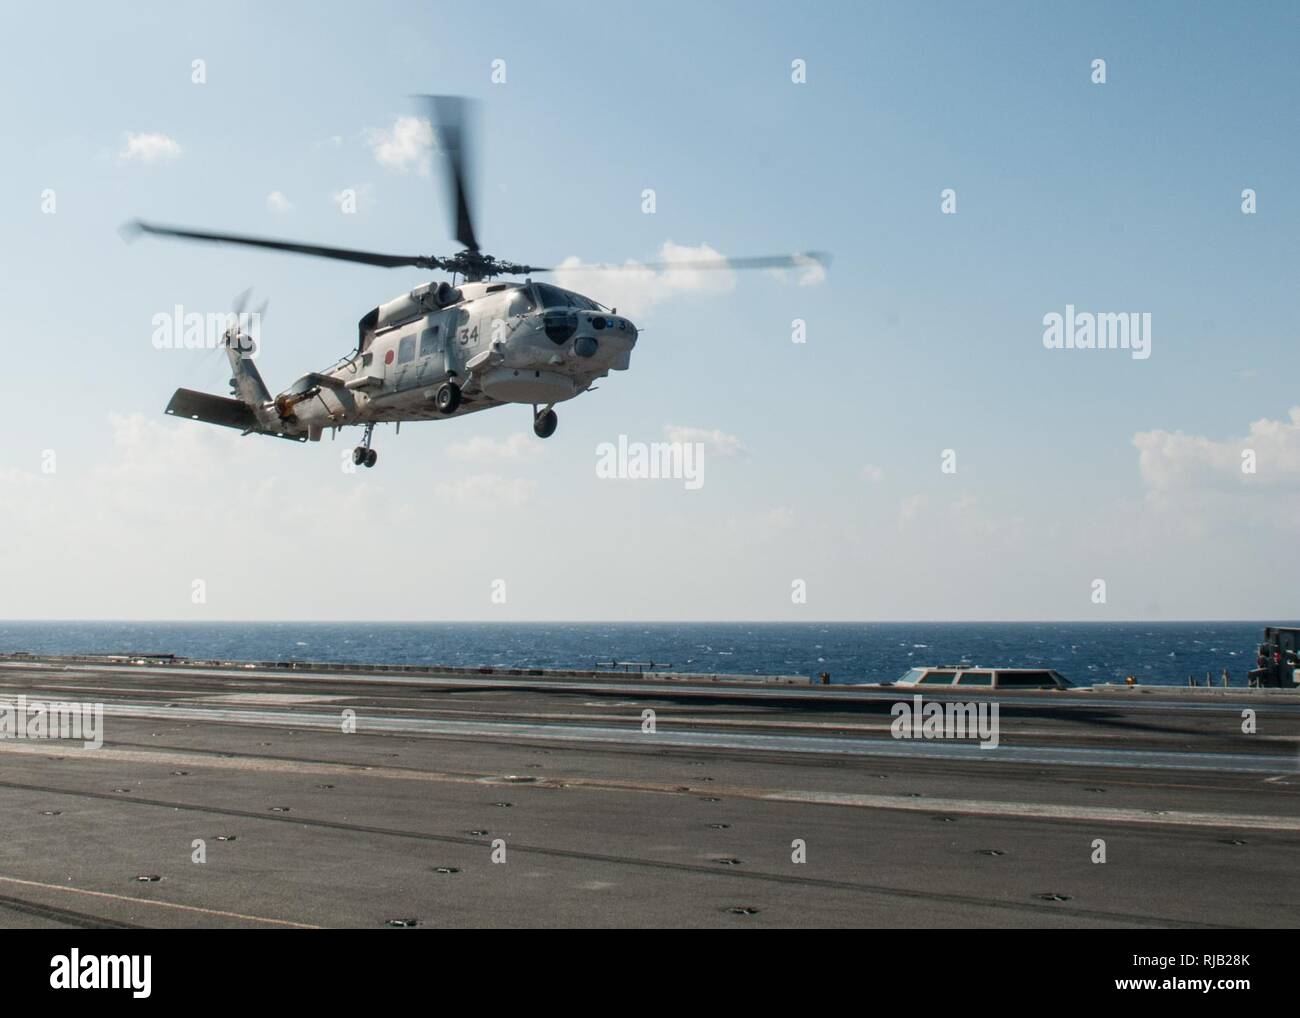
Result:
x=642 y=622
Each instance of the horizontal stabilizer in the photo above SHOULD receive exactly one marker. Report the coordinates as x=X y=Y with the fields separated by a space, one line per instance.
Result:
x=228 y=413
x=203 y=406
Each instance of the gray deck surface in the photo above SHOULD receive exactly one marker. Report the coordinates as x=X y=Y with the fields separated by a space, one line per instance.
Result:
x=605 y=825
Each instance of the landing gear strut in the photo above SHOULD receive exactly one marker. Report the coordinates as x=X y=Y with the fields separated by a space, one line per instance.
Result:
x=363 y=455
x=544 y=423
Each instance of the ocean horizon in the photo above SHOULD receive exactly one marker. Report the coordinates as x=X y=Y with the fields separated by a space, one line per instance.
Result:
x=1161 y=653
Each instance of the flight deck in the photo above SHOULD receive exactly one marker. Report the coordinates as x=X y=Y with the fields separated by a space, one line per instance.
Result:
x=234 y=795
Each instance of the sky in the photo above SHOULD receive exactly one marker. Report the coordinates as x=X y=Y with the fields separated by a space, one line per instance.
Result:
x=920 y=455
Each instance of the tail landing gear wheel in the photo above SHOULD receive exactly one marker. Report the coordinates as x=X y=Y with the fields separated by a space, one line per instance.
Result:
x=372 y=457
x=544 y=424
x=358 y=456
x=447 y=398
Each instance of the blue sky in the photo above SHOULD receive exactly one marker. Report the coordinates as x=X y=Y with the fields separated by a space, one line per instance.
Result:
x=925 y=335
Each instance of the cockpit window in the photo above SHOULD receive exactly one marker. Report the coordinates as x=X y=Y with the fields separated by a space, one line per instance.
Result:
x=552 y=296
x=521 y=302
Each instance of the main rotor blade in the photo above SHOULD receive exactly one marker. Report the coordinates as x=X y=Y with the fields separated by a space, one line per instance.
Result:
x=451 y=117
x=794 y=261
x=342 y=254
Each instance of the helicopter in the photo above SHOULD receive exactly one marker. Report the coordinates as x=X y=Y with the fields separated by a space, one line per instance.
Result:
x=444 y=348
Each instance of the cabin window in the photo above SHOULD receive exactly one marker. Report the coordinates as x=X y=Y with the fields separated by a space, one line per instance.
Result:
x=975 y=679
x=406 y=350
x=429 y=342
x=937 y=679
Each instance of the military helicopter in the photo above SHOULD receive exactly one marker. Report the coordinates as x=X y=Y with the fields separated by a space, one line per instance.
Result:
x=445 y=348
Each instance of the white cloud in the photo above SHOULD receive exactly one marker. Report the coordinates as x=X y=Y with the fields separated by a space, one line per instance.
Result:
x=780 y=518
x=873 y=474
x=277 y=202
x=743 y=531
x=149 y=147
x=169 y=494
x=169 y=497
x=484 y=447
x=1173 y=460
x=811 y=271
x=485 y=490
x=403 y=147
x=910 y=509
x=719 y=443
x=635 y=287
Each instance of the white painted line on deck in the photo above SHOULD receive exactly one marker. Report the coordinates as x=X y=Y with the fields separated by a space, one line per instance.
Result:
x=1042 y=811
x=157 y=904
x=265 y=699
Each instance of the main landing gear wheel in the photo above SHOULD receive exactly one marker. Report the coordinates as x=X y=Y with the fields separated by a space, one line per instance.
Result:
x=363 y=455
x=447 y=398
x=544 y=424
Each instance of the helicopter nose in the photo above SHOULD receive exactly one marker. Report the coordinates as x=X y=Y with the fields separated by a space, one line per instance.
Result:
x=605 y=339
x=613 y=326
x=609 y=335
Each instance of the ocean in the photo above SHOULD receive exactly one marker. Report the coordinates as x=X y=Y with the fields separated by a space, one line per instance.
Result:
x=1085 y=652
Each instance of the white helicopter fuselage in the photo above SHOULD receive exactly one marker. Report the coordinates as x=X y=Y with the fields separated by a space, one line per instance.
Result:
x=498 y=343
